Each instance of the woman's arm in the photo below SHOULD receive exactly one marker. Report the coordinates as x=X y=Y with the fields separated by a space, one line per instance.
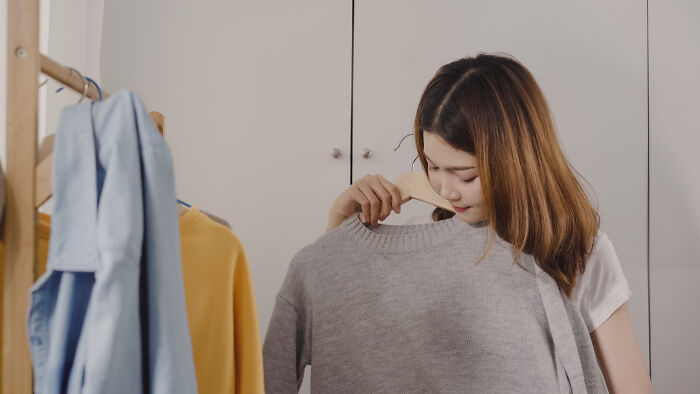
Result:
x=620 y=356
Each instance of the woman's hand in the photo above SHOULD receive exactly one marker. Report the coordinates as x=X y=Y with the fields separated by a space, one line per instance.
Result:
x=372 y=195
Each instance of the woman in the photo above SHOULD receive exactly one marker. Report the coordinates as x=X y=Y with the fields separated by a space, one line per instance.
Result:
x=398 y=308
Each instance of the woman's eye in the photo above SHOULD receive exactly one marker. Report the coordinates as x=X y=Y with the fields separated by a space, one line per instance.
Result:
x=468 y=180
x=432 y=168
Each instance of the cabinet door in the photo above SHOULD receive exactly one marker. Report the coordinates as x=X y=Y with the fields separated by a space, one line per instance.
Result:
x=588 y=57
x=256 y=96
x=674 y=88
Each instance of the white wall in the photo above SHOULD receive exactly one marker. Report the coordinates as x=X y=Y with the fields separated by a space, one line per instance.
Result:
x=74 y=40
x=674 y=183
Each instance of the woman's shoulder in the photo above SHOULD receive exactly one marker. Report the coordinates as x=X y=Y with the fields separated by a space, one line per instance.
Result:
x=603 y=262
x=602 y=246
x=602 y=287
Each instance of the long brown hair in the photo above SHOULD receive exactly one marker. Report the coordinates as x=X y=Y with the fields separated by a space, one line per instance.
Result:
x=491 y=107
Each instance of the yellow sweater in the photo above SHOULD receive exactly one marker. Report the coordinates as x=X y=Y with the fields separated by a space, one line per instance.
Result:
x=221 y=307
x=220 y=304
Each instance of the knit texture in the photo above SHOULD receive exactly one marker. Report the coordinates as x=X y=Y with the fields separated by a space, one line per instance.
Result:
x=407 y=309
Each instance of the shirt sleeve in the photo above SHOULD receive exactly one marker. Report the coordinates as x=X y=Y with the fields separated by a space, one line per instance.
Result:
x=602 y=288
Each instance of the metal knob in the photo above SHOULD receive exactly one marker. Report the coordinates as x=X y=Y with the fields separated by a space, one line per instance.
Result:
x=366 y=153
x=336 y=153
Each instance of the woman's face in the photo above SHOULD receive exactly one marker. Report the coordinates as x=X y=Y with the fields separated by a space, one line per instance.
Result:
x=454 y=175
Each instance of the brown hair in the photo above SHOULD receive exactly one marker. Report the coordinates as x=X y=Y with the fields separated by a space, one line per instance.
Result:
x=491 y=107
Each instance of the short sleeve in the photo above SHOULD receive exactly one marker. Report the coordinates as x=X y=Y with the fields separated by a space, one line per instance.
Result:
x=602 y=288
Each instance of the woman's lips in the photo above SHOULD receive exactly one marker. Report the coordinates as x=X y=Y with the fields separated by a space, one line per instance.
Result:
x=460 y=209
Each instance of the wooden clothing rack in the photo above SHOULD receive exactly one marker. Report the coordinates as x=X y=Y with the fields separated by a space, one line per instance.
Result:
x=28 y=183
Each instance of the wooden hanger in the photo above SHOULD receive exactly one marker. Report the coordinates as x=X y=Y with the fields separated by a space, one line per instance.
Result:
x=415 y=185
x=43 y=169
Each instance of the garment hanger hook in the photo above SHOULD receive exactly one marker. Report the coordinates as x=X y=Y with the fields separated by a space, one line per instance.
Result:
x=86 y=84
x=413 y=163
x=400 y=142
x=92 y=81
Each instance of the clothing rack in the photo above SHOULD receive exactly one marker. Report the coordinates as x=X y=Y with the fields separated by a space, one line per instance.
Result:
x=27 y=182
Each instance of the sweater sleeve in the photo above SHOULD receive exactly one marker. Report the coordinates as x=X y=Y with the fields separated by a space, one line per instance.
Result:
x=248 y=364
x=286 y=351
x=287 y=347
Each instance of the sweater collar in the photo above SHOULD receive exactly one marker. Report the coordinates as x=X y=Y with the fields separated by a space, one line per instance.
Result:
x=407 y=238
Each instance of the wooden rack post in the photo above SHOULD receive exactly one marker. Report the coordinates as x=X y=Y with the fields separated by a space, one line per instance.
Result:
x=20 y=216
x=28 y=185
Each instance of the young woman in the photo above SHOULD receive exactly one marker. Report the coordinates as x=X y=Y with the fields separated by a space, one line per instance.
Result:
x=487 y=142
x=518 y=292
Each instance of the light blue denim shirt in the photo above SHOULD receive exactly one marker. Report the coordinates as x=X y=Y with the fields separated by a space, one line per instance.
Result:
x=109 y=314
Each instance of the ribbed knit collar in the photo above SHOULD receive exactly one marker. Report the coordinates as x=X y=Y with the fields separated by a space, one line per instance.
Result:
x=407 y=238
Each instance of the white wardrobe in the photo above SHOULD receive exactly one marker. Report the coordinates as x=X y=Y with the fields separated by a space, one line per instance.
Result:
x=273 y=107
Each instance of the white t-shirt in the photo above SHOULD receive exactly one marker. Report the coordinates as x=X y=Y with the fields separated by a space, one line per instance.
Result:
x=600 y=290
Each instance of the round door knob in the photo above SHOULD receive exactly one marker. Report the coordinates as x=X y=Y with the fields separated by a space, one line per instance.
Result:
x=336 y=153
x=366 y=153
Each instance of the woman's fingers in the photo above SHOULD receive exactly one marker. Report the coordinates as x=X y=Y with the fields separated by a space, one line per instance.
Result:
x=383 y=194
x=372 y=194
x=395 y=193
x=360 y=200
x=372 y=214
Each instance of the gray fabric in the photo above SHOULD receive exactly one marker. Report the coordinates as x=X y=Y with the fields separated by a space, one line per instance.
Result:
x=405 y=309
x=217 y=219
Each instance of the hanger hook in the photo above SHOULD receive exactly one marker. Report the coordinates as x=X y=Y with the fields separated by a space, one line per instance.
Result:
x=86 y=84
x=96 y=85
x=400 y=142
x=413 y=164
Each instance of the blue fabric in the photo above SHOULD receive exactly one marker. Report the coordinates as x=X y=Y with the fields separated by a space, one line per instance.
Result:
x=108 y=316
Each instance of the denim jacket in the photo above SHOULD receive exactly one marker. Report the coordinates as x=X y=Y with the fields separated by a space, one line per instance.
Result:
x=108 y=316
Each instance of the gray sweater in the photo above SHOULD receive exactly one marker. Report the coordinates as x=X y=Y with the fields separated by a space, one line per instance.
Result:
x=402 y=309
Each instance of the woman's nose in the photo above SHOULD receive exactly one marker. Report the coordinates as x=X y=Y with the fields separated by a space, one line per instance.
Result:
x=448 y=192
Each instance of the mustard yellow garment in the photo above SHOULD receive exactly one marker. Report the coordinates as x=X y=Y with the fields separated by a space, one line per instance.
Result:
x=222 y=313
x=220 y=304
